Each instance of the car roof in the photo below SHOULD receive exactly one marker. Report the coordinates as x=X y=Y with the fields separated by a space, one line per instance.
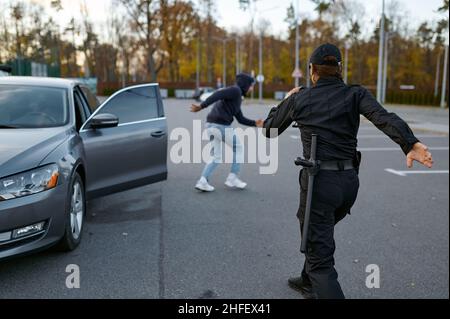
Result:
x=39 y=81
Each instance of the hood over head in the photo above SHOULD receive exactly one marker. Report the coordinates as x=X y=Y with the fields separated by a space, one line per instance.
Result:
x=244 y=81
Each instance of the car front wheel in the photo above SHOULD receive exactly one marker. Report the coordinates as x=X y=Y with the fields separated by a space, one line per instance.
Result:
x=75 y=215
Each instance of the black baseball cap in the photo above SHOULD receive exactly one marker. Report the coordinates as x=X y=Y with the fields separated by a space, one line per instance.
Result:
x=319 y=54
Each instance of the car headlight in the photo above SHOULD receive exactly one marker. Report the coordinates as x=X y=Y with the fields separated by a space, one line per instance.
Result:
x=29 y=183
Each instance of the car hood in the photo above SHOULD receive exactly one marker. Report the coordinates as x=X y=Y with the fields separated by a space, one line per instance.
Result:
x=24 y=149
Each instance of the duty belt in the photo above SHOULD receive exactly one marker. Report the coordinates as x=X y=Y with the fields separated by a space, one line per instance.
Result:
x=345 y=165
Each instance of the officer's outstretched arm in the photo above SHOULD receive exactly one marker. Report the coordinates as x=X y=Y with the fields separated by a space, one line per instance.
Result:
x=389 y=123
x=280 y=118
x=396 y=128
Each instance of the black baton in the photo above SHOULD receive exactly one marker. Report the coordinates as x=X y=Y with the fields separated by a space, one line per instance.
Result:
x=313 y=167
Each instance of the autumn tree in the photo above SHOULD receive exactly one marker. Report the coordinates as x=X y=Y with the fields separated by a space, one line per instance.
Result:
x=90 y=40
x=322 y=6
x=145 y=21
x=445 y=6
x=126 y=43
x=250 y=6
x=207 y=6
x=106 y=61
x=349 y=13
x=17 y=13
x=159 y=40
x=5 y=35
x=179 y=28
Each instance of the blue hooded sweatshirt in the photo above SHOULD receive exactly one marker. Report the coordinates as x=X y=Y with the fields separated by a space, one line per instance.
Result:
x=228 y=103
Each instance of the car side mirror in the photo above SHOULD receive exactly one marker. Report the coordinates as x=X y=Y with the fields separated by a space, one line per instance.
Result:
x=104 y=121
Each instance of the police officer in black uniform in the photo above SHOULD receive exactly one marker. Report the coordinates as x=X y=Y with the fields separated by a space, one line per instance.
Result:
x=331 y=109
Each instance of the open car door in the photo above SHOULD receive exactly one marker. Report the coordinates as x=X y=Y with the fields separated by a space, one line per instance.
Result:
x=125 y=141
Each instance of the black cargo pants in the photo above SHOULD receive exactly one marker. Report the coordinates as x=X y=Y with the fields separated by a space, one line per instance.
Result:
x=334 y=194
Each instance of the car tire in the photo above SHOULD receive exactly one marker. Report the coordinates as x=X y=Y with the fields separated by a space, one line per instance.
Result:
x=75 y=215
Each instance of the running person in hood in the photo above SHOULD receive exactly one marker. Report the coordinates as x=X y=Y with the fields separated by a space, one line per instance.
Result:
x=227 y=107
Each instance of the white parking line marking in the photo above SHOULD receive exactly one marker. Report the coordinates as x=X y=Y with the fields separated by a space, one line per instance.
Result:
x=391 y=149
x=365 y=128
x=297 y=137
x=406 y=173
x=418 y=136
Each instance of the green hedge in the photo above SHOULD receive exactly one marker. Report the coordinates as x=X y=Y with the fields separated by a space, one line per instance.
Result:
x=412 y=98
x=108 y=91
x=393 y=97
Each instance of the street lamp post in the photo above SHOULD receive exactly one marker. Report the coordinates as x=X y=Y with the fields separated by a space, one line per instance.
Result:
x=124 y=68
x=380 y=57
x=297 y=44
x=444 y=79
x=224 y=43
x=385 y=66
x=346 y=63
x=197 y=79
x=308 y=74
x=438 y=73
x=19 y=64
x=238 y=55
x=260 y=80
x=260 y=77
x=224 y=62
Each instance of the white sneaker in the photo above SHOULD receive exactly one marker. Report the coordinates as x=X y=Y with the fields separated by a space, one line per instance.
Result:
x=234 y=181
x=203 y=185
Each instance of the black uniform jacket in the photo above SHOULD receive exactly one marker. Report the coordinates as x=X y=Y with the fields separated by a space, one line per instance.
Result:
x=332 y=110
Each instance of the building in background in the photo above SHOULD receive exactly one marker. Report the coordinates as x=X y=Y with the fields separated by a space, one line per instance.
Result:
x=26 y=67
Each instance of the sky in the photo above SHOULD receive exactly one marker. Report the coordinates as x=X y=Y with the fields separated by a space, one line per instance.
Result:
x=229 y=15
x=275 y=11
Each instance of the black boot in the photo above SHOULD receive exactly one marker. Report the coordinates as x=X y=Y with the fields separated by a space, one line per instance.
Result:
x=303 y=287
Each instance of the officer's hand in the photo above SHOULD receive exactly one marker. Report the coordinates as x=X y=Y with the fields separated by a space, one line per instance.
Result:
x=293 y=91
x=421 y=154
x=195 y=108
x=260 y=123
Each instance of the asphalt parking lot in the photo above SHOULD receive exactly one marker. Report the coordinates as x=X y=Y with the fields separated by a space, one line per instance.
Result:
x=169 y=241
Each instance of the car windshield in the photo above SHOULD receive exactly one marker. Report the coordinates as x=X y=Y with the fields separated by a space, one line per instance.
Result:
x=32 y=106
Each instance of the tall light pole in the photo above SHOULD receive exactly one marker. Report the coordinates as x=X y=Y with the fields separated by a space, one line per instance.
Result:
x=197 y=78
x=444 y=79
x=124 y=69
x=297 y=44
x=380 y=57
x=308 y=74
x=385 y=66
x=238 y=55
x=224 y=62
x=346 y=63
x=260 y=76
x=438 y=73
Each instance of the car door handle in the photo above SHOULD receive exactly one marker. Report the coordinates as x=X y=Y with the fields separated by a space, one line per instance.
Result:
x=158 y=134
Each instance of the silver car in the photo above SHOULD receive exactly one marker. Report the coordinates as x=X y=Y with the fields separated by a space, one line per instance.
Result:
x=60 y=148
x=5 y=70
